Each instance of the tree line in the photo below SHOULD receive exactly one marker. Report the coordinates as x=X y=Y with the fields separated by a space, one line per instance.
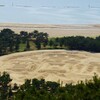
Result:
x=35 y=89
x=12 y=42
x=76 y=43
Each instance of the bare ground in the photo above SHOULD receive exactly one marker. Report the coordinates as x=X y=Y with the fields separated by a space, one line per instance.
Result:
x=52 y=65
x=91 y=30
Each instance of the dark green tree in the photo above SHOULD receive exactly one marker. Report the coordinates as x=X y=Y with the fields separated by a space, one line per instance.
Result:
x=24 y=36
x=4 y=86
x=27 y=45
x=51 y=42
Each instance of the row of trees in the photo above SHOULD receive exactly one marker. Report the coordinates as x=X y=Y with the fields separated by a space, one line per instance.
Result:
x=76 y=43
x=41 y=90
x=10 y=41
x=37 y=37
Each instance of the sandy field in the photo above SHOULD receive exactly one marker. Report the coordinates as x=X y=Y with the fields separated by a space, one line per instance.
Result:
x=52 y=65
x=91 y=30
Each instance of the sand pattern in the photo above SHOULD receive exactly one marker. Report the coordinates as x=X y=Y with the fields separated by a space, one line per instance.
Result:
x=52 y=65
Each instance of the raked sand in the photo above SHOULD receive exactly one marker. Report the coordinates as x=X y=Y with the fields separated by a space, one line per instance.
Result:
x=52 y=65
x=91 y=30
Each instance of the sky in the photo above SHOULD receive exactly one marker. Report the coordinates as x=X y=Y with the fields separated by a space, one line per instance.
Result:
x=50 y=11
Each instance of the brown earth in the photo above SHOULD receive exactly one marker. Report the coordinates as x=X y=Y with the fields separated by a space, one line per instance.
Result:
x=91 y=30
x=52 y=65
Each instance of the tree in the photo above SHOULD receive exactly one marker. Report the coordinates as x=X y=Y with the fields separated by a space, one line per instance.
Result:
x=4 y=86
x=7 y=39
x=51 y=42
x=45 y=43
x=38 y=45
x=24 y=36
x=27 y=45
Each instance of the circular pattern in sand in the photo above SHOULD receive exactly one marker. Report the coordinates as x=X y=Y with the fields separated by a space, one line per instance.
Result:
x=52 y=65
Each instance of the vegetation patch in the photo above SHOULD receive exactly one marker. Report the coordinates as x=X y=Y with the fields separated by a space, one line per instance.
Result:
x=35 y=89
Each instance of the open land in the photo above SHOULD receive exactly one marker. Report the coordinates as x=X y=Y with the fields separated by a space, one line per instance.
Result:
x=91 y=30
x=52 y=65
